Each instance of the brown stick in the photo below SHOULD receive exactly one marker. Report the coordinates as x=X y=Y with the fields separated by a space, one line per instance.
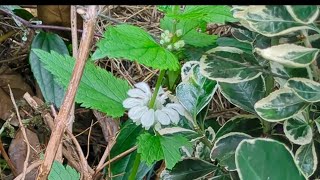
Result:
x=61 y=119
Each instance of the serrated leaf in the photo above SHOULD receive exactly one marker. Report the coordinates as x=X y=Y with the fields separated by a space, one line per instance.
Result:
x=288 y=72
x=303 y=13
x=190 y=168
x=253 y=161
x=223 y=64
x=306 y=158
x=244 y=94
x=248 y=124
x=155 y=148
x=198 y=39
x=306 y=89
x=135 y=44
x=280 y=105
x=269 y=21
x=298 y=130
x=225 y=147
x=217 y=14
x=50 y=89
x=58 y=171
x=98 y=88
x=289 y=55
x=196 y=91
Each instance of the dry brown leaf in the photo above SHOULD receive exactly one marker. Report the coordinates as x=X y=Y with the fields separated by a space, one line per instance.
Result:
x=18 y=151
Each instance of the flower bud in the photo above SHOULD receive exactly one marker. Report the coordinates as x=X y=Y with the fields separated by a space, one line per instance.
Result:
x=179 y=32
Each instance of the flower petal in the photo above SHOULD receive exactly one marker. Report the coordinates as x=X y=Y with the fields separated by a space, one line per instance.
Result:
x=173 y=114
x=144 y=87
x=162 y=117
x=137 y=93
x=178 y=107
x=135 y=113
x=132 y=102
x=147 y=119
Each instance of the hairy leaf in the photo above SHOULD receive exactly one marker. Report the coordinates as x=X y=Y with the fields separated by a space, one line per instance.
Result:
x=133 y=43
x=98 y=88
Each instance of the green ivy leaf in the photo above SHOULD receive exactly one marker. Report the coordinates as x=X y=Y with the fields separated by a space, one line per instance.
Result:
x=223 y=64
x=244 y=94
x=306 y=158
x=280 y=105
x=248 y=124
x=303 y=14
x=155 y=148
x=216 y=14
x=50 y=89
x=290 y=55
x=190 y=168
x=262 y=159
x=298 y=130
x=306 y=89
x=133 y=43
x=98 y=88
x=58 y=171
x=225 y=147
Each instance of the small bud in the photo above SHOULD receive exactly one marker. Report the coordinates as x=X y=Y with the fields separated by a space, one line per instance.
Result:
x=162 y=35
x=167 y=39
x=169 y=47
x=166 y=32
x=179 y=32
x=161 y=41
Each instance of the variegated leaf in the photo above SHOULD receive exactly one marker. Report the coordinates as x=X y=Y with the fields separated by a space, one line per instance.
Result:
x=317 y=121
x=298 y=130
x=289 y=55
x=269 y=20
x=306 y=158
x=227 y=64
x=280 y=105
x=304 y=14
x=306 y=89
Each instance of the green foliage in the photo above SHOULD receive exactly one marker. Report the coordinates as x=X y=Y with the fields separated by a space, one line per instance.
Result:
x=135 y=44
x=98 y=88
x=154 y=148
x=50 y=89
x=58 y=171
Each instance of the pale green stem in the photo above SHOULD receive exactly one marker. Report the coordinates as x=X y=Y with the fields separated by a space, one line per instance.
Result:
x=156 y=90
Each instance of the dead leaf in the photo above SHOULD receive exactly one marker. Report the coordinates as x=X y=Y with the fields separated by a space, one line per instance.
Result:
x=108 y=125
x=18 y=152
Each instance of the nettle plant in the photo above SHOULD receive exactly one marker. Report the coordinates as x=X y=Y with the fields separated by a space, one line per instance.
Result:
x=268 y=68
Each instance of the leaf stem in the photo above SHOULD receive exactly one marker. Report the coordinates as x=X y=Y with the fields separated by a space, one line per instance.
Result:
x=135 y=167
x=156 y=90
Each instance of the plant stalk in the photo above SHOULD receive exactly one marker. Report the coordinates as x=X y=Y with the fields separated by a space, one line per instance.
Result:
x=156 y=90
x=135 y=167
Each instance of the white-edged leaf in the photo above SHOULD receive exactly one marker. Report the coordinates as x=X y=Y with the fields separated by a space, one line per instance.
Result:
x=280 y=105
x=304 y=14
x=306 y=89
x=289 y=55
x=224 y=64
x=298 y=130
x=306 y=158
x=262 y=159
x=317 y=121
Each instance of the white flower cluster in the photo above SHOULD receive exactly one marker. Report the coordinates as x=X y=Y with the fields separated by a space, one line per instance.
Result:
x=167 y=37
x=163 y=113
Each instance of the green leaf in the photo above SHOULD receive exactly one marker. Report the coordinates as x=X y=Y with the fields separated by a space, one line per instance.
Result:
x=280 y=105
x=216 y=14
x=190 y=168
x=288 y=72
x=58 y=171
x=306 y=158
x=189 y=134
x=303 y=14
x=269 y=21
x=155 y=148
x=231 y=42
x=248 y=124
x=196 y=91
x=98 y=88
x=225 y=147
x=198 y=39
x=26 y=15
x=244 y=94
x=317 y=121
x=50 y=89
x=126 y=139
x=243 y=35
x=289 y=55
x=298 y=130
x=306 y=89
x=135 y=44
x=227 y=64
x=261 y=159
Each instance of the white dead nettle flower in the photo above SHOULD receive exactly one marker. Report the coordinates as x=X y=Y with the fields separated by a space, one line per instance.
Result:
x=164 y=112
x=179 y=44
x=179 y=32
